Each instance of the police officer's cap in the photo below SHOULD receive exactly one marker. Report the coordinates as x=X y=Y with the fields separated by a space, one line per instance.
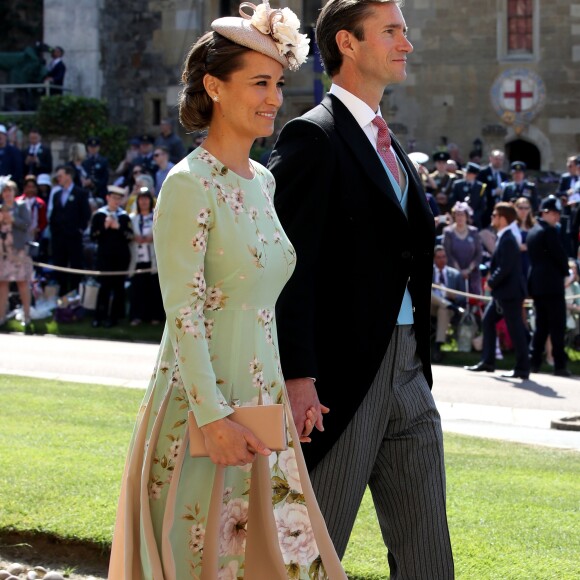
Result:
x=518 y=166
x=147 y=139
x=577 y=160
x=93 y=142
x=472 y=168
x=551 y=203
x=441 y=156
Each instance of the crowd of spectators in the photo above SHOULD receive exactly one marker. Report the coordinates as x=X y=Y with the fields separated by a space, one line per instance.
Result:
x=85 y=215
x=463 y=201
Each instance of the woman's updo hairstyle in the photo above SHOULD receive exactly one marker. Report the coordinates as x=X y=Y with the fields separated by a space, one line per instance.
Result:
x=212 y=54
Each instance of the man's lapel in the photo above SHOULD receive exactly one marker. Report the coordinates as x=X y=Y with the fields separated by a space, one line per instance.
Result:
x=362 y=150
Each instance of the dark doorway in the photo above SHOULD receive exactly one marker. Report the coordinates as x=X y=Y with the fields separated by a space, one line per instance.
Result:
x=520 y=150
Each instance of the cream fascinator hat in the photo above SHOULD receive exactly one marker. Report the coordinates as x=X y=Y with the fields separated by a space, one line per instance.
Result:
x=273 y=32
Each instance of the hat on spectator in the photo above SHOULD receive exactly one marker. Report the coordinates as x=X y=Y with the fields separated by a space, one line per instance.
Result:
x=43 y=179
x=551 y=203
x=116 y=190
x=146 y=139
x=577 y=160
x=93 y=142
x=462 y=206
x=441 y=156
x=135 y=141
x=518 y=166
x=3 y=129
x=472 y=168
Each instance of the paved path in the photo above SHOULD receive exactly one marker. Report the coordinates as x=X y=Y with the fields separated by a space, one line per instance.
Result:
x=480 y=404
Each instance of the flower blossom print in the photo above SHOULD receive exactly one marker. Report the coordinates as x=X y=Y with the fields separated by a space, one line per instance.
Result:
x=233 y=527
x=295 y=534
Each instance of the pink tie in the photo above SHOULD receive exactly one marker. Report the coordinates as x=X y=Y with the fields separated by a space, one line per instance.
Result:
x=384 y=146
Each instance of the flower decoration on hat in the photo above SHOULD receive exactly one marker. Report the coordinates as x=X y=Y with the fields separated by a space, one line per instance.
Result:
x=283 y=26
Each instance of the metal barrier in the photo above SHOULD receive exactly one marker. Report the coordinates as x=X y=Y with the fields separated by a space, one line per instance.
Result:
x=22 y=99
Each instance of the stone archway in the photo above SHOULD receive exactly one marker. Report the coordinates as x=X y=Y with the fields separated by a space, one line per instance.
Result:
x=521 y=150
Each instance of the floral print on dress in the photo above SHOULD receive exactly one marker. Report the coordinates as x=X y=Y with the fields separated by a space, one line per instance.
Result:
x=223 y=259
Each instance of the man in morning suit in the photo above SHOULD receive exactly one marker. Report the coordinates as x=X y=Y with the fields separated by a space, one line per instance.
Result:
x=508 y=290
x=548 y=269
x=354 y=319
x=69 y=218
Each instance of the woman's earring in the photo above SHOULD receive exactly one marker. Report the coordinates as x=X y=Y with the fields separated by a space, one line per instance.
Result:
x=216 y=98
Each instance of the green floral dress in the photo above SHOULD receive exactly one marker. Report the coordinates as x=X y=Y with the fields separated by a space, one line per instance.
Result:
x=223 y=259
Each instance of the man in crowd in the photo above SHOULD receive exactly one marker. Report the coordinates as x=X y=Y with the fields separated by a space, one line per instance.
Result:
x=171 y=141
x=145 y=158
x=68 y=220
x=570 y=178
x=161 y=156
x=520 y=186
x=443 y=304
x=443 y=180
x=37 y=156
x=338 y=169
x=507 y=285
x=493 y=176
x=10 y=158
x=548 y=269
x=97 y=169
x=56 y=71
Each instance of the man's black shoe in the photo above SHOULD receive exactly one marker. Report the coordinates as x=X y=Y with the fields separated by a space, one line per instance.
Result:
x=480 y=367
x=436 y=354
x=535 y=368
x=516 y=375
x=562 y=373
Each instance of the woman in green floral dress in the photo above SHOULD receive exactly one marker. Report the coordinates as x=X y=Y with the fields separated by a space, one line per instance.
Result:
x=223 y=259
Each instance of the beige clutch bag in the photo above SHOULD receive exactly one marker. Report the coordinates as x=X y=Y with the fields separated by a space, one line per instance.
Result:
x=266 y=422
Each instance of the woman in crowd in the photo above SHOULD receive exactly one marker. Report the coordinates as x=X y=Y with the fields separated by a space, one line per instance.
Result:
x=145 y=302
x=142 y=181
x=77 y=153
x=223 y=259
x=15 y=263
x=463 y=246
x=525 y=222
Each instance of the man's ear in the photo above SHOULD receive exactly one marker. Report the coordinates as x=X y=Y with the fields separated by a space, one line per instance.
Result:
x=344 y=40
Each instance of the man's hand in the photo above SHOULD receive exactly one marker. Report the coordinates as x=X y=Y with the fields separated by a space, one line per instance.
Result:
x=306 y=408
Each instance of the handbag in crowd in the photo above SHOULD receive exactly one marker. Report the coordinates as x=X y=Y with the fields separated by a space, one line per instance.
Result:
x=266 y=422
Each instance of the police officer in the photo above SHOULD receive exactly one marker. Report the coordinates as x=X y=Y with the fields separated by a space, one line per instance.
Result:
x=145 y=157
x=472 y=191
x=520 y=186
x=97 y=169
x=548 y=270
x=440 y=181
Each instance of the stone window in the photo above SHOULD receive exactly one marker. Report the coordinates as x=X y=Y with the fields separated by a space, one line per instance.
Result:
x=518 y=26
x=520 y=21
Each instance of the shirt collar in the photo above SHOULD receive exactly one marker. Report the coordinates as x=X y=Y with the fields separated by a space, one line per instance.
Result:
x=501 y=232
x=362 y=113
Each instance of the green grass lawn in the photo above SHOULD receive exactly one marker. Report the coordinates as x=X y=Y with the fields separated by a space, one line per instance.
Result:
x=513 y=509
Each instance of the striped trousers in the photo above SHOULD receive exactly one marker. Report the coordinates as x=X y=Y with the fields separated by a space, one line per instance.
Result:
x=393 y=444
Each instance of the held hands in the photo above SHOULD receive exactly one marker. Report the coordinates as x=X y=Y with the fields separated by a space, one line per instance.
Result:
x=307 y=410
x=228 y=443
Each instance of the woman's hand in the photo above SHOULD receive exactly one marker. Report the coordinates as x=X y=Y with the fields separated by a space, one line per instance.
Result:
x=228 y=443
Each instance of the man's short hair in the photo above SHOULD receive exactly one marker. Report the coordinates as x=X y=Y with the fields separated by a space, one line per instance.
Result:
x=339 y=15
x=506 y=210
x=439 y=248
x=68 y=169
